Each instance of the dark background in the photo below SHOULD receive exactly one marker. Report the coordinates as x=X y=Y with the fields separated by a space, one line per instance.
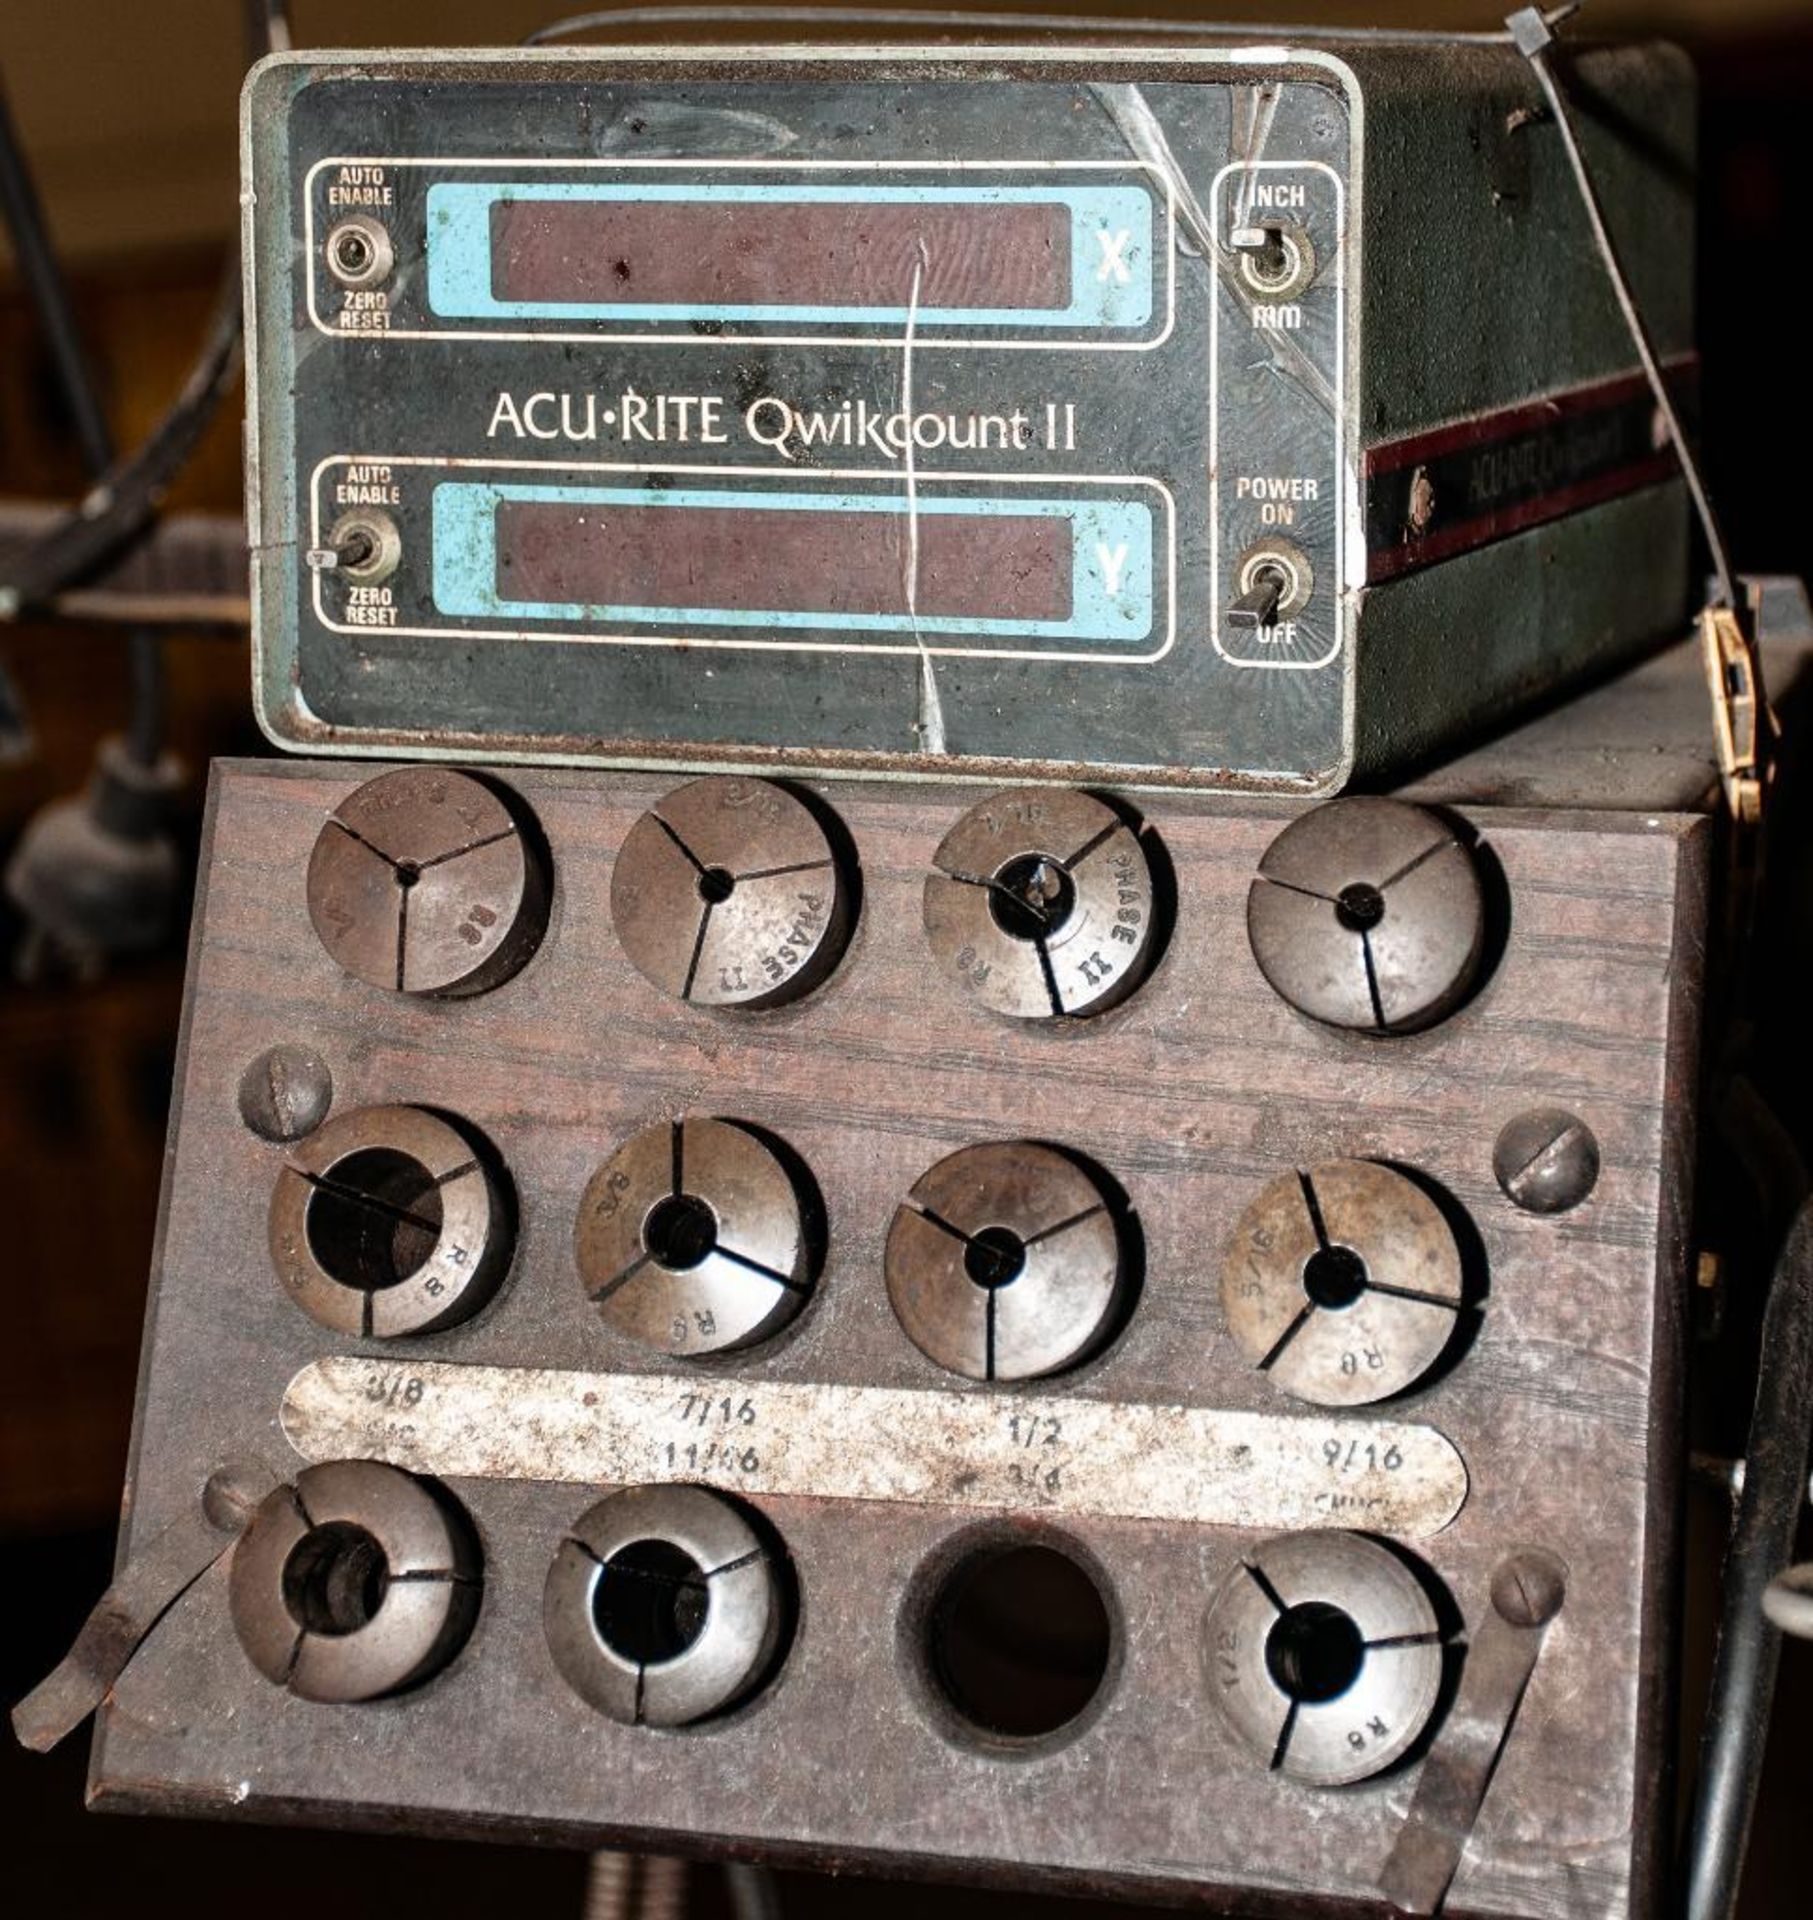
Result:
x=127 y=108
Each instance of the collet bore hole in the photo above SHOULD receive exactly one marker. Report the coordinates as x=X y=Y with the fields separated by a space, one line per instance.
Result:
x=680 y=1232
x=995 y=1257
x=716 y=885
x=1360 y=907
x=1031 y=897
x=1314 y=1652
x=335 y=1579
x=1019 y=1640
x=375 y=1219
x=1334 y=1277
x=650 y=1601
x=408 y=873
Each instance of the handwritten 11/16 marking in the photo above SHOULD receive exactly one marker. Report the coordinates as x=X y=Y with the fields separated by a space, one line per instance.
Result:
x=1067 y=1456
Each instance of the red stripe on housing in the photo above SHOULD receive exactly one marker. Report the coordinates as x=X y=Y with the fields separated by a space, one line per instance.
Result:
x=1386 y=563
x=1509 y=423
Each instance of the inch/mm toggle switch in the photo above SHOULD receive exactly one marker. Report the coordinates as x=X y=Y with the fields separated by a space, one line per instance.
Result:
x=1276 y=259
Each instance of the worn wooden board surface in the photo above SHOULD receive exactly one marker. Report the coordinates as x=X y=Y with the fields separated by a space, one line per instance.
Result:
x=1193 y=1094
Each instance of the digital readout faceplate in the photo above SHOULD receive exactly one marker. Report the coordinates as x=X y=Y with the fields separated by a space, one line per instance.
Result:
x=631 y=414
x=988 y=572
x=641 y=250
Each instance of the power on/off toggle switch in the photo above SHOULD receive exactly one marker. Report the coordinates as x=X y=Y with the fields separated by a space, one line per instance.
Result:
x=1272 y=584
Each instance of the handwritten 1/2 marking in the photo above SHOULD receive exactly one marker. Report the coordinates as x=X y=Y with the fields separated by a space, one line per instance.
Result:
x=926 y=1448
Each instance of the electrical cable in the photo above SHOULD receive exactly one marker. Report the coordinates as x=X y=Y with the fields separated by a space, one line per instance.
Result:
x=633 y=15
x=48 y=290
x=1762 y=1543
x=23 y=213
x=121 y=504
x=1531 y=33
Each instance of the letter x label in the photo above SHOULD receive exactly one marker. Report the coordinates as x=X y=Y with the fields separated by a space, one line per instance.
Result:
x=1114 y=255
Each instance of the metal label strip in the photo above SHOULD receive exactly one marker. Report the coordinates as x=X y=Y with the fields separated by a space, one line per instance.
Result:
x=1018 y=1452
x=1436 y=495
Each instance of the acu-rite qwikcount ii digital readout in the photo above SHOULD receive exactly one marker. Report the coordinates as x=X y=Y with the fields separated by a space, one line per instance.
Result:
x=1170 y=416
x=841 y=1325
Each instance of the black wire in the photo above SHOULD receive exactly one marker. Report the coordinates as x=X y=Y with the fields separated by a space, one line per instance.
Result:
x=120 y=506
x=754 y=1893
x=44 y=283
x=959 y=20
x=148 y=686
x=48 y=291
x=1762 y=1544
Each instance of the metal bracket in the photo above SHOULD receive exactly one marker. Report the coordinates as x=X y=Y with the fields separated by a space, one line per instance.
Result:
x=1527 y=1591
x=1745 y=728
x=146 y=1588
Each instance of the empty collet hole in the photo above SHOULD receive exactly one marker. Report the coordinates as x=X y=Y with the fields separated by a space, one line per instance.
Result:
x=408 y=873
x=1334 y=1277
x=374 y=1219
x=716 y=885
x=650 y=1601
x=335 y=1579
x=1019 y=1640
x=1360 y=907
x=680 y=1232
x=1031 y=897
x=995 y=1257
x=1314 y=1652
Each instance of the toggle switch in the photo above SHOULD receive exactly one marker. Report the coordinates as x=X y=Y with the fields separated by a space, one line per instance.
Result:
x=1266 y=243
x=1258 y=605
x=1277 y=260
x=1272 y=583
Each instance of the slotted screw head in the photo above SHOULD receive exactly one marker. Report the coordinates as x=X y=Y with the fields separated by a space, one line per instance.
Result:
x=1369 y=915
x=1546 y=1160
x=423 y=882
x=285 y=1092
x=1528 y=1587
